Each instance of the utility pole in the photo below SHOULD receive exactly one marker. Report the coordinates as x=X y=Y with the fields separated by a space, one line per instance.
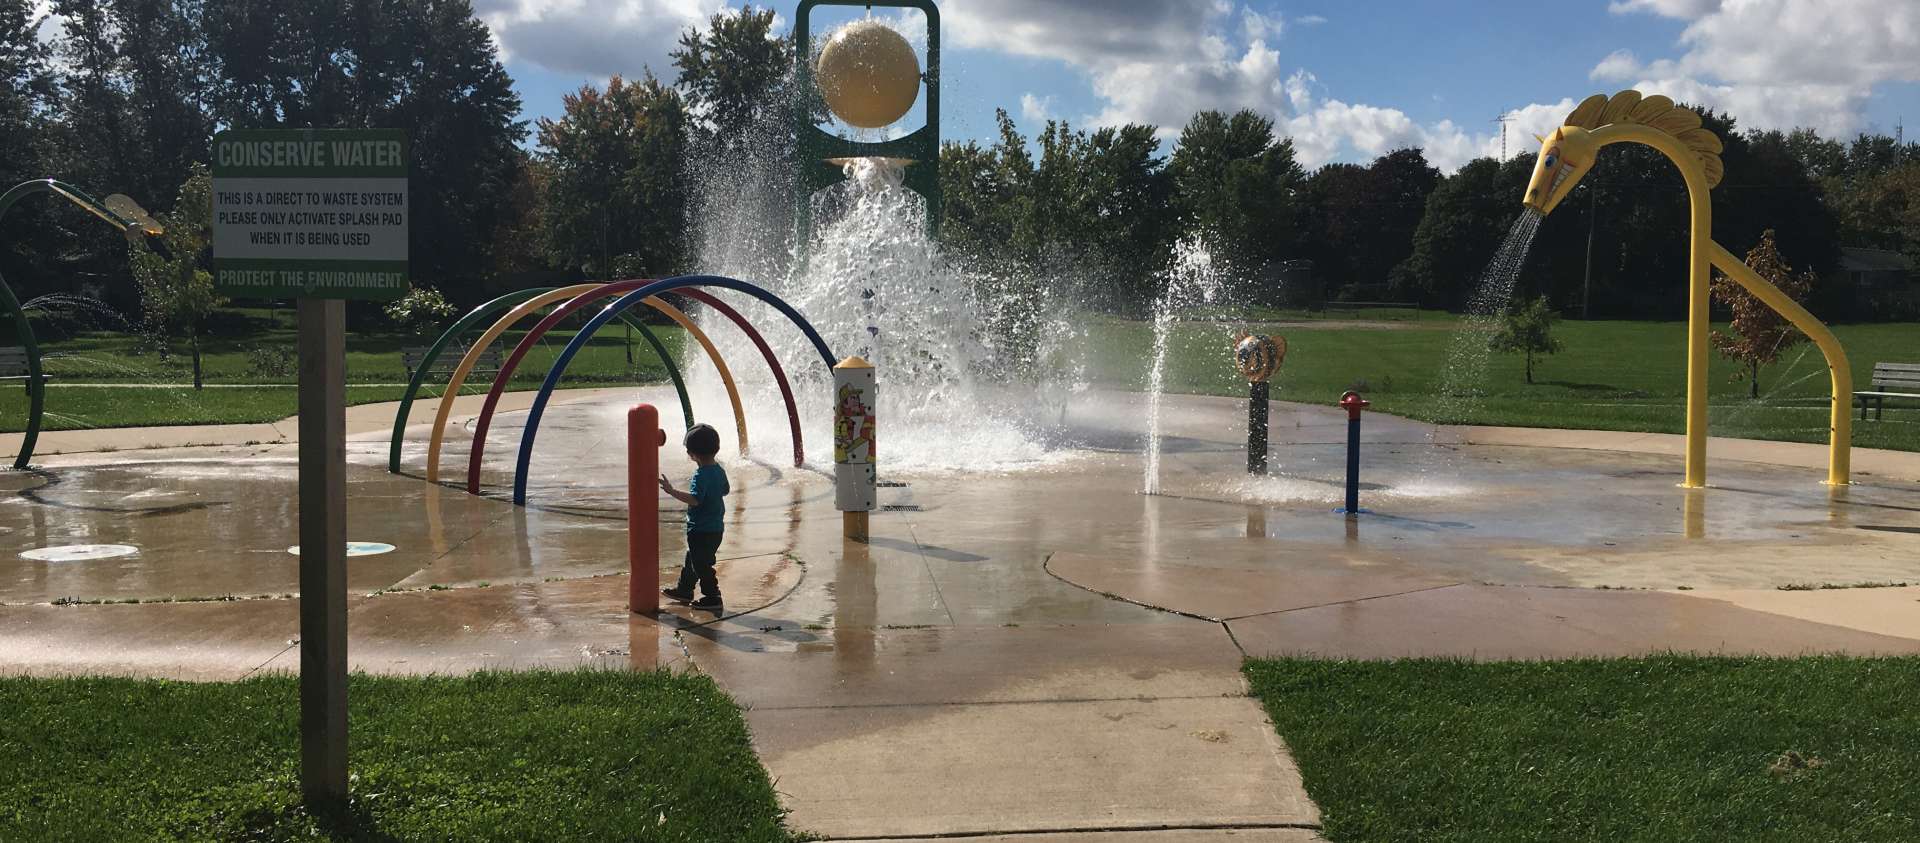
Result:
x=1586 y=284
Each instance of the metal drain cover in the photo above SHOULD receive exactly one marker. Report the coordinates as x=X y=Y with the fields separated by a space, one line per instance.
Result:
x=357 y=549
x=79 y=552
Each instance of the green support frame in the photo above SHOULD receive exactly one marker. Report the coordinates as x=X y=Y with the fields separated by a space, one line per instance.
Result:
x=816 y=146
x=36 y=378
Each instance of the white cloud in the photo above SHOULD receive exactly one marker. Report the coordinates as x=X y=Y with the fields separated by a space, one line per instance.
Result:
x=1310 y=20
x=591 y=37
x=1081 y=32
x=1780 y=63
x=1669 y=8
x=1259 y=27
x=1035 y=109
x=1159 y=61
x=1619 y=64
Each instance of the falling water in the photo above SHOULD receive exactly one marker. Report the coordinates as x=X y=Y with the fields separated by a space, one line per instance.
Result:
x=960 y=356
x=1192 y=279
x=1467 y=353
x=85 y=310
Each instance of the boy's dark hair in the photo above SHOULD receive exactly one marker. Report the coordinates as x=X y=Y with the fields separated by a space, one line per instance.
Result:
x=702 y=440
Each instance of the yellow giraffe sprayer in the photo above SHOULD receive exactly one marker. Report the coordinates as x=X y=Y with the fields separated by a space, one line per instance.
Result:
x=1627 y=117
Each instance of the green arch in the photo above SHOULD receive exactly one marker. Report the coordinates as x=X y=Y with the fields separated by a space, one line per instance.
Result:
x=463 y=324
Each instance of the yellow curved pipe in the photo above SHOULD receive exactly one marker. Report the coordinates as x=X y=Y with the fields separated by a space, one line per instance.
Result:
x=1840 y=417
x=726 y=377
x=500 y=326
x=1705 y=254
x=472 y=357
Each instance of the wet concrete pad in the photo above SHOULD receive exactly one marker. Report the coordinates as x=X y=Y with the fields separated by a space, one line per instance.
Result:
x=1511 y=622
x=1255 y=581
x=564 y=624
x=1053 y=766
x=1177 y=835
x=201 y=641
x=976 y=664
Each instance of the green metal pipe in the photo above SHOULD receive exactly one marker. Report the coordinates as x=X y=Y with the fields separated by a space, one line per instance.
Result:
x=36 y=380
x=673 y=369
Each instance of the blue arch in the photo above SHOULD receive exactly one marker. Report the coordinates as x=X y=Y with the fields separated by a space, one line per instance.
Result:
x=606 y=315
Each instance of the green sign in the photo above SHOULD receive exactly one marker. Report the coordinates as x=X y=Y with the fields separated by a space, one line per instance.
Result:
x=310 y=213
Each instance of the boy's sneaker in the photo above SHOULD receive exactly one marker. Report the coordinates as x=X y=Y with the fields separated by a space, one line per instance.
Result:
x=710 y=603
x=677 y=595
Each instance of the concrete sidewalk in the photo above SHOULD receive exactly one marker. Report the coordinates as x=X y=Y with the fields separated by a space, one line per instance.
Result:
x=1043 y=655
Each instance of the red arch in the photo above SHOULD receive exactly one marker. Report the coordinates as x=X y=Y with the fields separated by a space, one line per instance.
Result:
x=512 y=362
x=773 y=362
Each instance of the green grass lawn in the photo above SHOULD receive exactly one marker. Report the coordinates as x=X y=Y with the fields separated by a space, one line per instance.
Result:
x=1610 y=376
x=1660 y=749
x=76 y=365
x=524 y=756
x=83 y=408
x=107 y=357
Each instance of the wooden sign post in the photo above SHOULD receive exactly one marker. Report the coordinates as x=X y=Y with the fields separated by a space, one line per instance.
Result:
x=320 y=216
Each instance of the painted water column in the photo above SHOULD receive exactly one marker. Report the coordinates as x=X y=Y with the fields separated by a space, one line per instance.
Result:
x=1259 y=357
x=644 y=441
x=853 y=444
x=1353 y=404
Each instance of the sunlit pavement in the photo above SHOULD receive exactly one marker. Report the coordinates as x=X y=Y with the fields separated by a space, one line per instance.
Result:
x=1040 y=650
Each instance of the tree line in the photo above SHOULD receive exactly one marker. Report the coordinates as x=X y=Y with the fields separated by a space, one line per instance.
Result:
x=127 y=94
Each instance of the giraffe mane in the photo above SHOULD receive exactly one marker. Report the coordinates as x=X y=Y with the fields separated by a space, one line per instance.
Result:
x=1656 y=112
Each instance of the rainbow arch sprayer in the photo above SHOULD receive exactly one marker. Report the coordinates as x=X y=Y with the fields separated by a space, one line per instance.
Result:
x=1627 y=117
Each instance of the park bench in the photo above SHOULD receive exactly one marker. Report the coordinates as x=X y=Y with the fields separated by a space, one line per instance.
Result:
x=1355 y=307
x=13 y=367
x=1890 y=380
x=487 y=365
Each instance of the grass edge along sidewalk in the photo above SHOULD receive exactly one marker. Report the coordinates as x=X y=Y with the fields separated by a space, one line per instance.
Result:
x=581 y=755
x=1666 y=748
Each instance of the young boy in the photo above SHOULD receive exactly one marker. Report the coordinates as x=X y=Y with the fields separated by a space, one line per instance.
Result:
x=706 y=515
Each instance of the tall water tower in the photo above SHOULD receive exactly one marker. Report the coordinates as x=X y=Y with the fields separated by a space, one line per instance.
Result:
x=869 y=78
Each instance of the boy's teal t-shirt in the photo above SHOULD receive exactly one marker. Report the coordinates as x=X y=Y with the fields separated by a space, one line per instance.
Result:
x=708 y=513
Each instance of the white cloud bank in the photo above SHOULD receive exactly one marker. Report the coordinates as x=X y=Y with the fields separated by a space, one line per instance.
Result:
x=595 y=38
x=1772 y=63
x=1777 y=64
x=1159 y=61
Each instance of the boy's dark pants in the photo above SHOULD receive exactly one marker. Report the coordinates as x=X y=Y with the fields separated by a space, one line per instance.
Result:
x=701 y=548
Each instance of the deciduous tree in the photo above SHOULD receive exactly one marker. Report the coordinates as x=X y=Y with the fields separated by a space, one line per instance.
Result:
x=176 y=290
x=615 y=185
x=1237 y=185
x=1759 y=333
x=1527 y=328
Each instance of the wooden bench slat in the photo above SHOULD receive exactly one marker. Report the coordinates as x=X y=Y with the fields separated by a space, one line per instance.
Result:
x=1899 y=381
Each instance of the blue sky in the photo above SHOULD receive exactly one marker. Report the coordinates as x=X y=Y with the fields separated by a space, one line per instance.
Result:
x=1347 y=80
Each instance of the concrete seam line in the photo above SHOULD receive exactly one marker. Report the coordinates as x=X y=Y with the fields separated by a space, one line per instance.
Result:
x=1228 y=626
x=1345 y=602
x=984 y=703
x=1101 y=829
x=1047 y=566
x=797 y=561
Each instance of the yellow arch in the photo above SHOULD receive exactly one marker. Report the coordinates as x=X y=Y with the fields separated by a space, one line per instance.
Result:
x=726 y=377
x=1707 y=253
x=493 y=332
